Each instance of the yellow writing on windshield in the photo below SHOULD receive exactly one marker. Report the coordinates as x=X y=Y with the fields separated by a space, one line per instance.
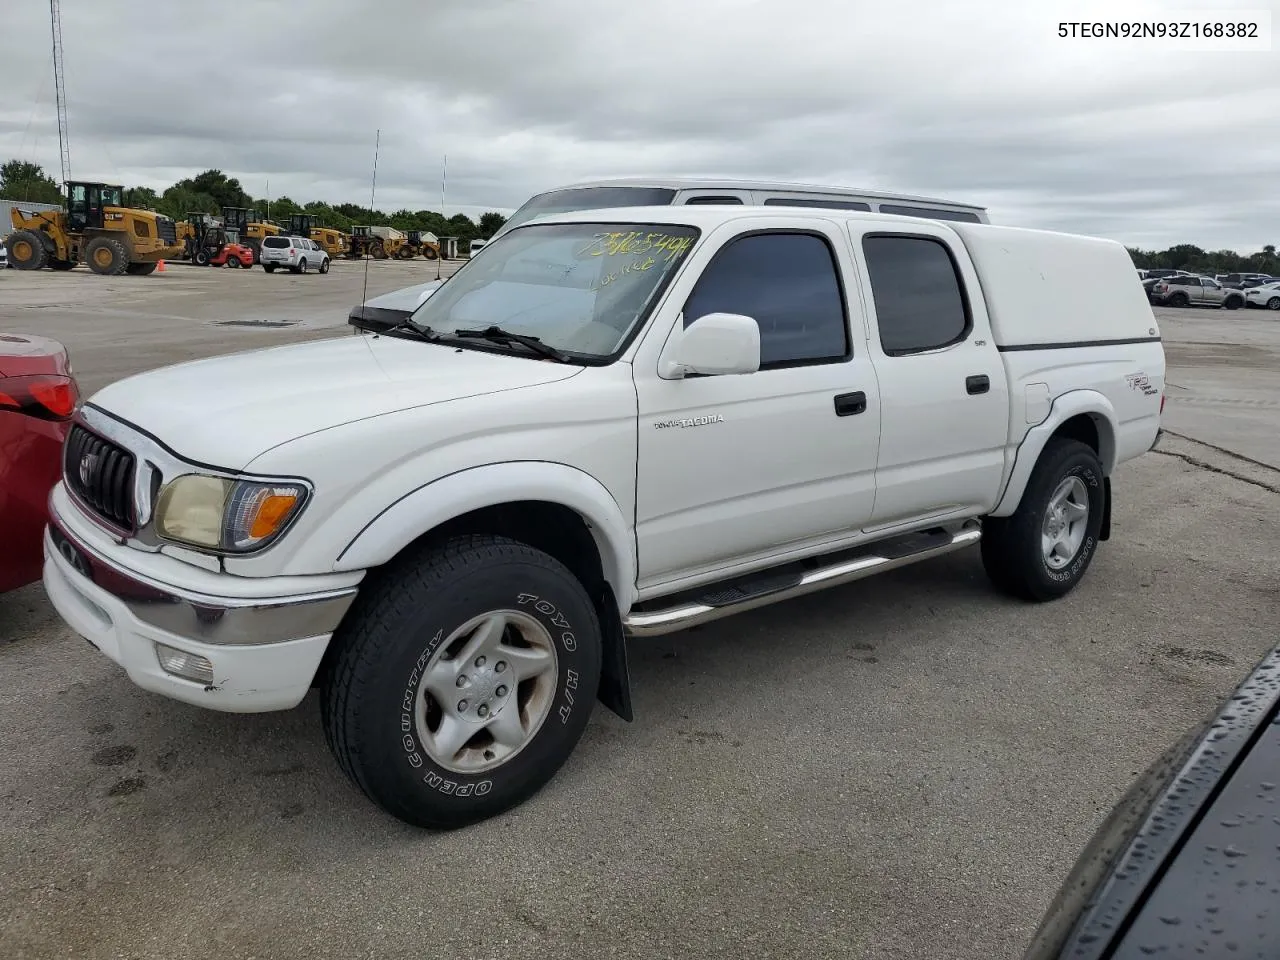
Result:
x=636 y=242
x=636 y=266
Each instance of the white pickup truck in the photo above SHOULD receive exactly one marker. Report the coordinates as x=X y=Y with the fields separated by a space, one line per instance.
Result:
x=608 y=424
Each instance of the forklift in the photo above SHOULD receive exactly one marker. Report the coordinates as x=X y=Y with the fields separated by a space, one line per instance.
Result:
x=203 y=237
x=249 y=228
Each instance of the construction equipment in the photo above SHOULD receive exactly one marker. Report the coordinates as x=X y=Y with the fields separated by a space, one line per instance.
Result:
x=308 y=225
x=96 y=228
x=203 y=236
x=420 y=243
x=377 y=242
x=249 y=228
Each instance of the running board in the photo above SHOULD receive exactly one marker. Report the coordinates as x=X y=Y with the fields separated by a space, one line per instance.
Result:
x=717 y=601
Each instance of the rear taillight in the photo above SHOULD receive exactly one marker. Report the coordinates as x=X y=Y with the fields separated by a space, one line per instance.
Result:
x=45 y=396
x=292 y=251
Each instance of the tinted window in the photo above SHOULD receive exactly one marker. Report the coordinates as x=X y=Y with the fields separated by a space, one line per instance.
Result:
x=930 y=212
x=808 y=202
x=276 y=242
x=721 y=200
x=590 y=198
x=919 y=301
x=788 y=283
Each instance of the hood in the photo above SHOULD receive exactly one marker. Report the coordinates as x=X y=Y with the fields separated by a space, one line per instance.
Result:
x=225 y=411
x=410 y=298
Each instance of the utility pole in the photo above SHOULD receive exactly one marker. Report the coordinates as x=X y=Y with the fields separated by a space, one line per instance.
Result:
x=60 y=92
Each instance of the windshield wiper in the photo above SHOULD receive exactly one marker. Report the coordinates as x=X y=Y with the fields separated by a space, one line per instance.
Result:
x=408 y=323
x=498 y=335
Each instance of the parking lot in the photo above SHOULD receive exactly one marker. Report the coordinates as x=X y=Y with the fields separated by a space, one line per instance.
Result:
x=903 y=767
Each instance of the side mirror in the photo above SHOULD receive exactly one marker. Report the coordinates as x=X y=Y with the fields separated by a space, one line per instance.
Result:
x=716 y=344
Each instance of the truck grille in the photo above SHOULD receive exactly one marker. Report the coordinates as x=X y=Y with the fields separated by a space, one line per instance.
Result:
x=101 y=475
x=167 y=230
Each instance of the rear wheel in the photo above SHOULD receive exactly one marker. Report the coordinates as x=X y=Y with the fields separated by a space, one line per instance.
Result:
x=429 y=253
x=1043 y=550
x=301 y=267
x=1179 y=300
x=233 y=261
x=140 y=269
x=462 y=680
x=1234 y=303
x=1273 y=303
x=269 y=267
x=107 y=256
x=26 y=250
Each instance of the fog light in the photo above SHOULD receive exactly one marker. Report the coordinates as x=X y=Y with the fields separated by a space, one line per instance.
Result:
x=189 y=666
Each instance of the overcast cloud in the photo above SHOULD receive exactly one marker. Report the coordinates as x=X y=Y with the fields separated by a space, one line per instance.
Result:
x=975 y=100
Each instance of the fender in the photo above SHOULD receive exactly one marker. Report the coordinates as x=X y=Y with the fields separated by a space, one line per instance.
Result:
x=1064 y=408
x=432 y=504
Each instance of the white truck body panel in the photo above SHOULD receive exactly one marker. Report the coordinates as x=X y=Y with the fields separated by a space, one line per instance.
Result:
x=681 y=481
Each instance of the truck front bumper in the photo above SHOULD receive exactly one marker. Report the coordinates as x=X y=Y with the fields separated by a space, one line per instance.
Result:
x=243 y=654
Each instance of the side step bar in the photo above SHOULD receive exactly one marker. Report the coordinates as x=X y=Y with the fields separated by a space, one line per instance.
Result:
x=653 y=623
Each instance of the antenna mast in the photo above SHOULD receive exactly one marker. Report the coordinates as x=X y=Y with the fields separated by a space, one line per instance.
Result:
x=60 y=92
x=373 y=194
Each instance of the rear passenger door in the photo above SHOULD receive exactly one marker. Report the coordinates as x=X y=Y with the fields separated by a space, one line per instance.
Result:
x=944 y=402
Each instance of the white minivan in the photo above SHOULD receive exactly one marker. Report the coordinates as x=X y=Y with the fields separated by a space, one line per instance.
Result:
x=475 y=247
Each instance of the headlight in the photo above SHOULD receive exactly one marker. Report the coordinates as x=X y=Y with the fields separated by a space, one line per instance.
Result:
x=233 y=516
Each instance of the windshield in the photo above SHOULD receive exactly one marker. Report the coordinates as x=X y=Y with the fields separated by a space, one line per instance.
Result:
x=111 y=197
x=579 y=287
x=589 y=198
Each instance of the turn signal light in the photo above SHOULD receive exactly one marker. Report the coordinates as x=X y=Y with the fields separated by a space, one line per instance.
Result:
x=45 y=396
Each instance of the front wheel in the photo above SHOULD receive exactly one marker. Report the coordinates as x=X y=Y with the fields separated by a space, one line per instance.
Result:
x=324 y=265
x=1043 y=550
x=462 y=680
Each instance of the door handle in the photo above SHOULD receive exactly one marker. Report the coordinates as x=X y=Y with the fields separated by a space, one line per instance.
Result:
x=977 y=384
x=848 y=404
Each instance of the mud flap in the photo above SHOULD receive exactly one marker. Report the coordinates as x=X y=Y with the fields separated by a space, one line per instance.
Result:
x=615 y=677
x=1105 y=532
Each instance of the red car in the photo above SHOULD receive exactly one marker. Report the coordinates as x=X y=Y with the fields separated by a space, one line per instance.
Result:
x=38 y=395
x=233 y=255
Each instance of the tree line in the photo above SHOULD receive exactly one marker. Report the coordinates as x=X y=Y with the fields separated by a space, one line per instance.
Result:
x=210 y=191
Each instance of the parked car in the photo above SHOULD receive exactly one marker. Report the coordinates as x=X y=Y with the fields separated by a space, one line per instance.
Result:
x=609 y=424
x=1159 y=273
x=1238 y=281
x=38 y=395
x=475 y=246
x=298 y=254
x=1267 y=296
x=233 y=255
x=1195 y=292
x=1185 y=864
x=4 y=255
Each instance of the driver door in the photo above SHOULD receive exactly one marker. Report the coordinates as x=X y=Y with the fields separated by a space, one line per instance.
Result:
x=739 y=471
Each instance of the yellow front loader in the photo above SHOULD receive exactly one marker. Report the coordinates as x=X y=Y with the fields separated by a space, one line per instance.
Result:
x=97 y=229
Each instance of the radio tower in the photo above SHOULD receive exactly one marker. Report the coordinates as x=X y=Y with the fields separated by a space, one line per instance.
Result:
x=60 y=91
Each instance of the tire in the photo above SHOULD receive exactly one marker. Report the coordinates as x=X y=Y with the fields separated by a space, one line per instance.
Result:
x=301 y=267
x=378 y=714
x=1013 y=551
x=269 y=267
x=324 y=265
x=26 y=250
x=61 y=265
x=106 y=256
x=1273 y=303
x=1233 y=303
x=201 y=258
x=233 y=262
x=140 y=269
x=428 y=253
x=1179 y=300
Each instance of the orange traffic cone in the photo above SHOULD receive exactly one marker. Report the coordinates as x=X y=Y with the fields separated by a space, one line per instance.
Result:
x=160 y=267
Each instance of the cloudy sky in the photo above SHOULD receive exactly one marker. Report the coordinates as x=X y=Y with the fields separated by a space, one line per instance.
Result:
x=976 y=100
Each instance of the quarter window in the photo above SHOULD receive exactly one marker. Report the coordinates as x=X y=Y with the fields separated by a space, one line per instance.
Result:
x=919 y=299
x=932 y=213
x=814 y=202
x=788 y=283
